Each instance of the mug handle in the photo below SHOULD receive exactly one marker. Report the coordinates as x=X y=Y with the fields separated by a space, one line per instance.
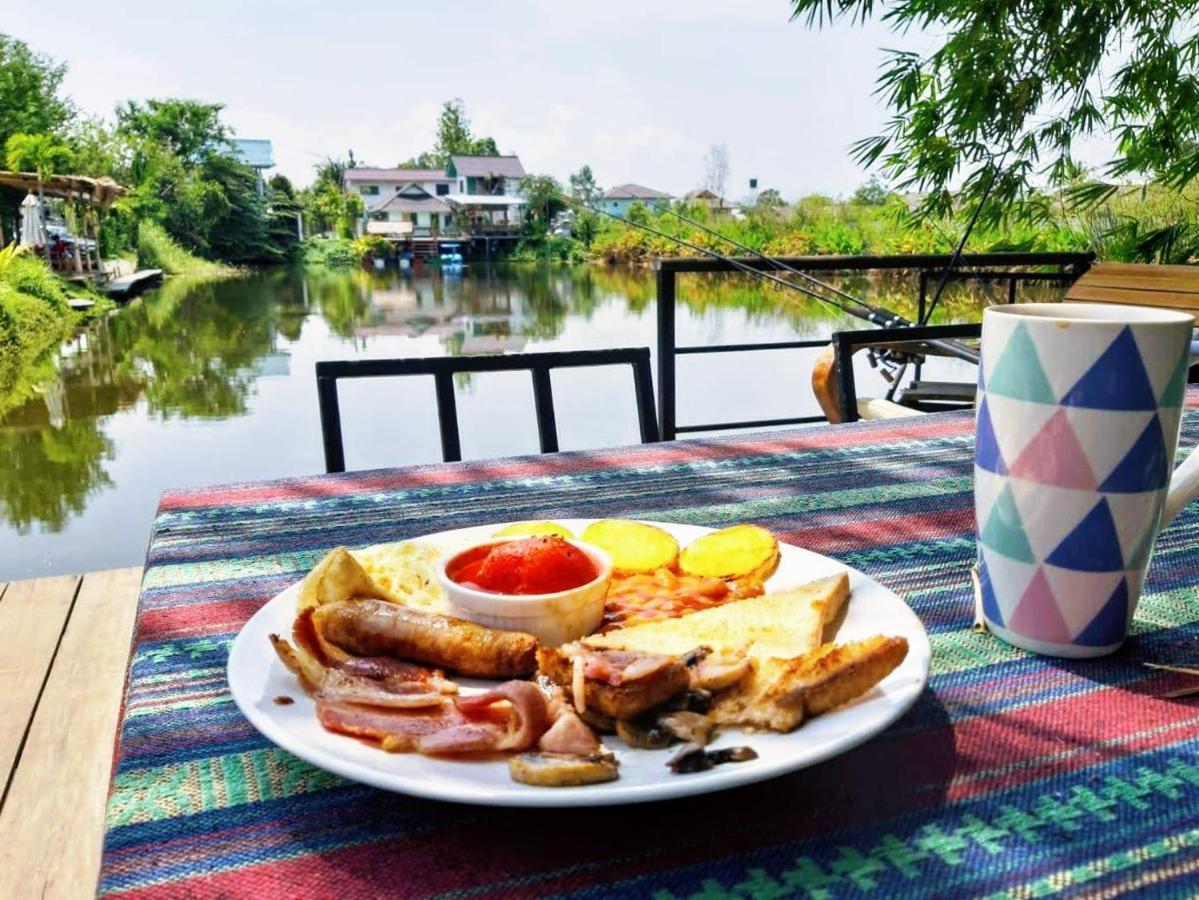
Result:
x=1184 y=483
x=1184 y=487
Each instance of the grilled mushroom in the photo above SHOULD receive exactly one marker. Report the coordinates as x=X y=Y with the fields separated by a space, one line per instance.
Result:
x=644 y=734
x=694 y=758
x=691 y=727
x=562 y=770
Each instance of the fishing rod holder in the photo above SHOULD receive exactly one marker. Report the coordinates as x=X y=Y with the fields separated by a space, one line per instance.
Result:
x=1063 y=268
x=846 y=343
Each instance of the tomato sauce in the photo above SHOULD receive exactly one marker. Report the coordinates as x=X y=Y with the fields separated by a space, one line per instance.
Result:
x=536 y=565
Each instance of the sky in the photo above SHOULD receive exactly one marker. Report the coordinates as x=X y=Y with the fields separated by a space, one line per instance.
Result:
x=637 y=89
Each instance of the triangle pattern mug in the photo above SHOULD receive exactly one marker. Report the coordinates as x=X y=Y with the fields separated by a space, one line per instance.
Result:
x=1078 y=414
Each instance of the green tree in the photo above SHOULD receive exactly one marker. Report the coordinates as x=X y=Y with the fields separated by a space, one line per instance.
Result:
x=872 y=193
x=29 y=91
x=189 y=129
x=283 y=207
x=770 y=199
x=326 y=206
x=454 y=138
x=583 y=186
x=585 y=226
x=1009 y=88
x=544 y=196
x=95 y=148
x=40 y=153
x=239 y=231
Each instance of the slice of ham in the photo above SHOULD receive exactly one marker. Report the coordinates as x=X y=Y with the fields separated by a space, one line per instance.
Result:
x=510 y=717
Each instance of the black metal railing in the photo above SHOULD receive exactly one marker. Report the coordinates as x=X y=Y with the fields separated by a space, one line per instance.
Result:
x=443 y=370
x=981 y=266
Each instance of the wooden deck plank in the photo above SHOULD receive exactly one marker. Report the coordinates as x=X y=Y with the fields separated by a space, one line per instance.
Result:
x=52 y=821
x=1188 y=303
x=1142 y=277
x=32 y=617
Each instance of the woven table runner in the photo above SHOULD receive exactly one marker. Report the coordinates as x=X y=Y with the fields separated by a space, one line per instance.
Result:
x=1013 y=775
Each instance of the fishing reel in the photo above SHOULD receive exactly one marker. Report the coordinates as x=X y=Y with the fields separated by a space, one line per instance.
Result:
x=891 y=363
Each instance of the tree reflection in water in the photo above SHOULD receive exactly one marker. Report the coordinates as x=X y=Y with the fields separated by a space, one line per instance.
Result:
x=48 y=474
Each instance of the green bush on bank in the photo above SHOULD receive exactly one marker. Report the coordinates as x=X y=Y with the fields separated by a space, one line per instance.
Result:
x=552 y=248
x=158 y=250
x=332 y=252
x=35 y=316
x=1137 y=225
x=27 y=275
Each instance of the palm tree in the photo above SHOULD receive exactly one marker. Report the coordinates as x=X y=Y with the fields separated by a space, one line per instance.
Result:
x=39 y=153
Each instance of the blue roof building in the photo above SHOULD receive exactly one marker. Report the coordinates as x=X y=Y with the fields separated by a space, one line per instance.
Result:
x=254 y=153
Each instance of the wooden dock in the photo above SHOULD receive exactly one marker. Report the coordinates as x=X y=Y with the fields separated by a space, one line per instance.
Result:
x=62 y=674
x=129 y=286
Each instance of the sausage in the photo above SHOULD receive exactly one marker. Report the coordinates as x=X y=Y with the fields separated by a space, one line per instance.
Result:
x=379 y=628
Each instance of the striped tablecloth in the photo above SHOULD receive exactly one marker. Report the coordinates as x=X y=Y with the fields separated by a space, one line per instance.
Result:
x=1013 y=775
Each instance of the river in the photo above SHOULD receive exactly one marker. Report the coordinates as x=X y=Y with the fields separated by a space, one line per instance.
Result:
x=207 y=381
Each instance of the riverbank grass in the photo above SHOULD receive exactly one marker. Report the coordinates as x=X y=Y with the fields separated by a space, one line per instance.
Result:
x=158 y=250
x=35 y=317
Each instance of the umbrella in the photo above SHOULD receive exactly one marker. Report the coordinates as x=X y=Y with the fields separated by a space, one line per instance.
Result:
x=33 y=233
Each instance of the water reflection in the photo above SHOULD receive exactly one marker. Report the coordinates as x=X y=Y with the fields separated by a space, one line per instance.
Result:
x=211 y=380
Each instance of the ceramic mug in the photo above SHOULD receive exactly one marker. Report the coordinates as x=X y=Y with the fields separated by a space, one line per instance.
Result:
x=1079 y=407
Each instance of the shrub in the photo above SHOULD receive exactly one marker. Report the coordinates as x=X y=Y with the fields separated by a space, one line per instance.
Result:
x=371 y=246
x=27 y=274
x=158 y=250
x=334 y=252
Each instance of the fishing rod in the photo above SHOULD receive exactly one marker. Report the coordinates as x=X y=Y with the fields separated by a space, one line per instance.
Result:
x=873 y=314
x=957 y=252
x=876 y=316
x=777 y=263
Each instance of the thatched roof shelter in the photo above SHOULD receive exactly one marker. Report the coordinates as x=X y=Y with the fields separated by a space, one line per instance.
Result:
x=102 y=191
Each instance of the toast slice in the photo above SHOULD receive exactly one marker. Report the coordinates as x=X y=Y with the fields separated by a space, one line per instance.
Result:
x=780 y=694
x=782 y=624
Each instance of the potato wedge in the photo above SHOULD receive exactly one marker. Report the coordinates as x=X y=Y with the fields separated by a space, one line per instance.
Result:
x=633 y=546
x=738 y=552
x=534 y=529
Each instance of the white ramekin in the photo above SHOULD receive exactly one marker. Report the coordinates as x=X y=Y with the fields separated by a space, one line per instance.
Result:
x=554 y=618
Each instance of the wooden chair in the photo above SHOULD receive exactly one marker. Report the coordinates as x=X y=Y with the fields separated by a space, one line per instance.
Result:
x=1139 y=284
x=443 y=369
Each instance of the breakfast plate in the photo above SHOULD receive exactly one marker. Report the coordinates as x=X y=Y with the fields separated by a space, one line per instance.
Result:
x=259 y=682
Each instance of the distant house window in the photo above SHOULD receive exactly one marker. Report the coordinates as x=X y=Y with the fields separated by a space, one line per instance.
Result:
x=379 y=216
x=461 y=186
x=449 y=220
x=369 y=189
x=442 y=190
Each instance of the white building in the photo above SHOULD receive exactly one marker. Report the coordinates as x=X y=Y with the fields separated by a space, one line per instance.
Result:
x=473 y=196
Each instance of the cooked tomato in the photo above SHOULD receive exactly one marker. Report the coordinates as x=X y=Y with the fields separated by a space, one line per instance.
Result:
x=535 y=565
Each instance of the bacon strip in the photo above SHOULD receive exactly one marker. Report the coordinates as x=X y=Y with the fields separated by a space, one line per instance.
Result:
x=530 y=712
x=511 y=717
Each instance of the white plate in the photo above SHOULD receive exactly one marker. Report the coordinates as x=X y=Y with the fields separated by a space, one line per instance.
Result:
x=256 y=677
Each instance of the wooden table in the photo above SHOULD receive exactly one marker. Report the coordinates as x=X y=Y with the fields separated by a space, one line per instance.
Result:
x=63 y=657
